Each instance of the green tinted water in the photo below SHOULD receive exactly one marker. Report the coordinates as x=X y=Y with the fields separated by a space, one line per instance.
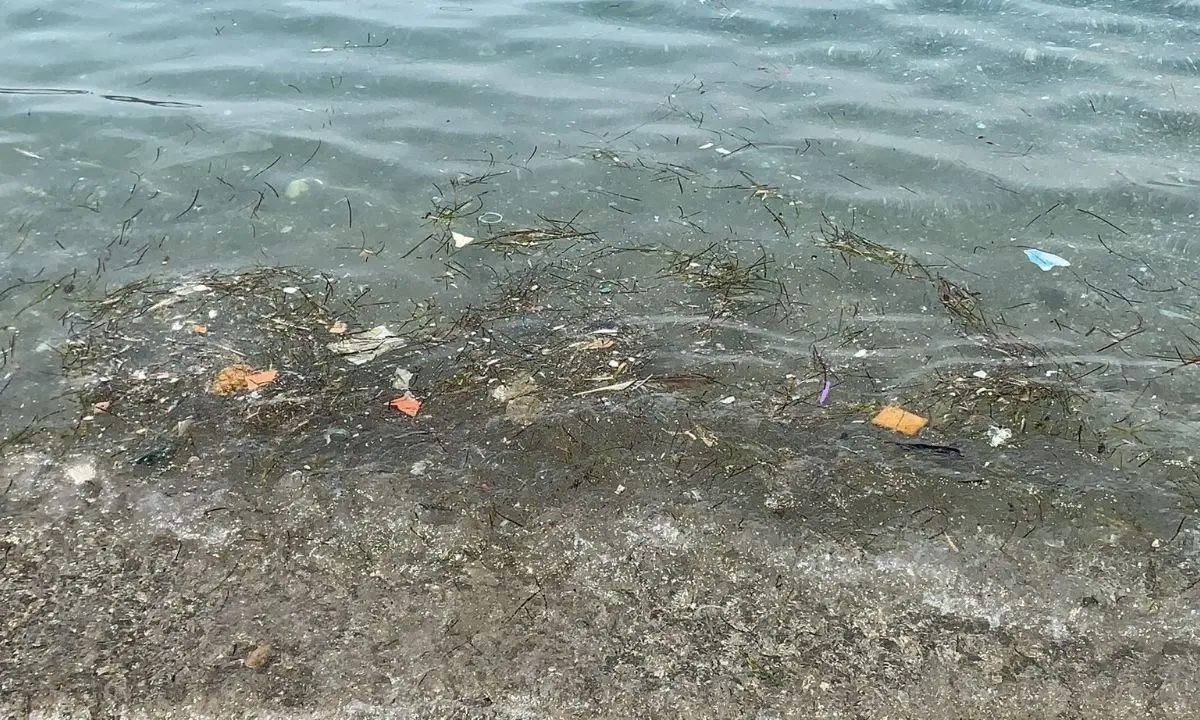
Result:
x=153 y=138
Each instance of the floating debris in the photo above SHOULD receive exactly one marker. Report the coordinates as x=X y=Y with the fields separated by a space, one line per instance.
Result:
x=295 y=189
x=615 y=387
x=366 y=346
x=406 y=403
x=824 y=393
x=402 y=379
x=896 y=418
x=1045 y=260
x=258 y=657
x=521 y=403
x=241 y=378
x=998 y=436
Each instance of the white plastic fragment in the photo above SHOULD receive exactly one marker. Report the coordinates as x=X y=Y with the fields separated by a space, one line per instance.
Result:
x=81 y=472
x=1044 y=260
x=997 y=436
x=402 y=379
x=189 y=288
x=296 y=188
x=614 y=387
x=368 y=345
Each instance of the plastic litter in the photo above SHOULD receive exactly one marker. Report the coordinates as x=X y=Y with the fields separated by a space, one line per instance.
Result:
x=296 y=188
x=240 y=378
x=997 y=436
x=1045 y=260
x=402 y=379
x=406 y=403
x=366 y=346
x=900 y=420
x=522 y=405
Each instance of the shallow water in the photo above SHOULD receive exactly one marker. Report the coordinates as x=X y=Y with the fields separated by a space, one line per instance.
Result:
x=153 y=138
x=687 y=509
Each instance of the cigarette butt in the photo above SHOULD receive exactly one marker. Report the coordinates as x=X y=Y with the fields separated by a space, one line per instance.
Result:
x=900 y=420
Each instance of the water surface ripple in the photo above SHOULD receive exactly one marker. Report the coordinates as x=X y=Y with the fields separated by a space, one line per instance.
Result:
x=160 y=136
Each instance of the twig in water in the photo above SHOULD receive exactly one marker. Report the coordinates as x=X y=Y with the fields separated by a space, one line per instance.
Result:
x=191 y=206
x=314 y=154
x=1089 y=213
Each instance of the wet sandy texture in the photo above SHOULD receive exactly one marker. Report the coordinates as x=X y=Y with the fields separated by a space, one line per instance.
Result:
x=495 y=582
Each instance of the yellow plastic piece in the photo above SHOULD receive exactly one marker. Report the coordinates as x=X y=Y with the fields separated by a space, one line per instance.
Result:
x=900 y=420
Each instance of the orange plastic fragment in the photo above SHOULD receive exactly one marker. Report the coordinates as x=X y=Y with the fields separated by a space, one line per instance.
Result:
x=900 y=420
x=263 y=377
x=199 y=329
x=406 y=404
x=240 y=377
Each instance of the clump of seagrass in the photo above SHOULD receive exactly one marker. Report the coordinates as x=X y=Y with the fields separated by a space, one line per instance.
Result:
x=1007 y=396
x=852 y=246
x=549 y=231
x=963 y=305
x=733 y=281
